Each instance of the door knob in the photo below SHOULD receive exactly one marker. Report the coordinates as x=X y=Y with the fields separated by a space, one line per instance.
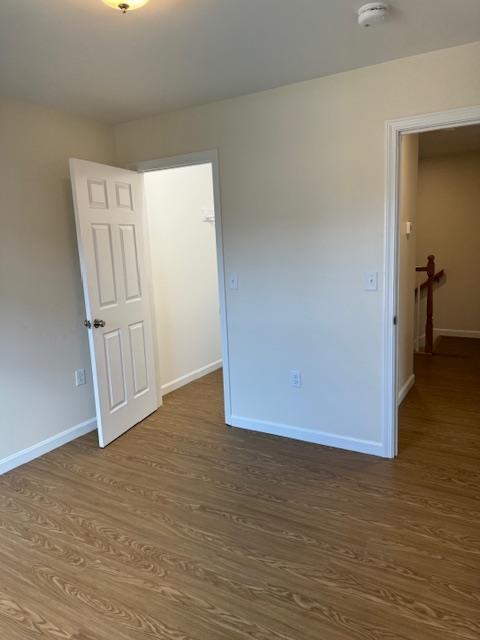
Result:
x=98 y=323
x=88 y=324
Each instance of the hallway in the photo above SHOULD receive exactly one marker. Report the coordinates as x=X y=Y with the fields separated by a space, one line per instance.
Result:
x=183 y=529
x=441 y=414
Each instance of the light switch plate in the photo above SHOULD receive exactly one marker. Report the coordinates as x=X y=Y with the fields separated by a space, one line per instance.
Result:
x=233 y=281
x=371 y=281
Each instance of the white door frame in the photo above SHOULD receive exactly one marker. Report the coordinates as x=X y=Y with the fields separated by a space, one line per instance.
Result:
x=394 y=129
x=188 y=160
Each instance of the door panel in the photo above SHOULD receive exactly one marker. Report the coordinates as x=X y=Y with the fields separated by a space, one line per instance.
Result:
x=104 y=269
x=123 y=193
x=115 y=369
x=97 y=194
x=139 y=359
x=131 y=268
x=110 y=231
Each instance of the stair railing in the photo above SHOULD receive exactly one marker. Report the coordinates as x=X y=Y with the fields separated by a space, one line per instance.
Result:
x=432 y=278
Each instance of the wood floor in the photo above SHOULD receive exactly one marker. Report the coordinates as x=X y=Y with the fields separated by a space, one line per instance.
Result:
x=185 y=530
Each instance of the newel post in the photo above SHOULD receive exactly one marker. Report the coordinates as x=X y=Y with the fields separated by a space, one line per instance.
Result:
x=429 y=321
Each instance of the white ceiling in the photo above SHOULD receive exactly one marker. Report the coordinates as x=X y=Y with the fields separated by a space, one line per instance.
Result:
x=82 y=56
x=447 y=141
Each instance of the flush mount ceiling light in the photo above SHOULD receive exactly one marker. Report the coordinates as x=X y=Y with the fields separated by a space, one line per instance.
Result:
x=372 y=13
x=125 y=6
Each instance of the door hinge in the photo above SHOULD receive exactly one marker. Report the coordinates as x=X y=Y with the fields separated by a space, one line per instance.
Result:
x=395 y=320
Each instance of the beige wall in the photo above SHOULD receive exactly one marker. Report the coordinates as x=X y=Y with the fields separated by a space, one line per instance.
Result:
x=42 y=340
x=407 y=257
x=449 y=227
x=302 y=187
x=184 y=265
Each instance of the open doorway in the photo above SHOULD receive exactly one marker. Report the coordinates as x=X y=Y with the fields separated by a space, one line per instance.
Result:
x=394 y=130
x=181 y=227
x=438 y=273
x=185 y=241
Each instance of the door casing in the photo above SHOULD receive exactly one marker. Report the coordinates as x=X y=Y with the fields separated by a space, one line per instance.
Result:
x=393 y=130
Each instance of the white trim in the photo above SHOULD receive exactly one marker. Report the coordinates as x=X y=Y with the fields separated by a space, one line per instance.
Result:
x=402 y=394
x=184 y=160
x=43 y=447
x=151 y=291
x=190 y=377
x=393 y=131
x=309 y=435
x=449 y=333
x=456 y=333
x=189 y=159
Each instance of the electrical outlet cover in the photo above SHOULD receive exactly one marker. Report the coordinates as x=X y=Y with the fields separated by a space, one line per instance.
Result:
x=80 y=378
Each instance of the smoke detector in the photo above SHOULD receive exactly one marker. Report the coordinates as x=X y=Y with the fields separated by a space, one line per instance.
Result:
x=372 y=13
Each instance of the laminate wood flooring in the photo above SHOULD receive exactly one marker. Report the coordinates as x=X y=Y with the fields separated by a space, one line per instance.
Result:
x=185 y=530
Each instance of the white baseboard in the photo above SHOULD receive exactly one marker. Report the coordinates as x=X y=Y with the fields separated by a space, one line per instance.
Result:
x=456 y=333
x=190 y=377
x=449 y=333
x=308 y=435
x=39 y=449
x=402 y=394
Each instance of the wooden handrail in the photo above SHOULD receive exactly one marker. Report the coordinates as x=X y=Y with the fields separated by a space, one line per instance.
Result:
x=428 y=284
x=436 y=278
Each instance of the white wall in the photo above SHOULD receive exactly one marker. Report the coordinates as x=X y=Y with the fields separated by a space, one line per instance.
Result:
x=183 y=252
x=302 y=187
x=42 y=338
x=449 y=227
x=407 y=259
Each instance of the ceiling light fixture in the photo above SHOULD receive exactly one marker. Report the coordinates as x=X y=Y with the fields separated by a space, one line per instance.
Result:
x=372 y=13
x=131 y=5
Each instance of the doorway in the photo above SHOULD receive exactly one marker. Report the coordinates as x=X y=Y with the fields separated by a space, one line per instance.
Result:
x=181 y=228
x=409 y=289
x=185 y=242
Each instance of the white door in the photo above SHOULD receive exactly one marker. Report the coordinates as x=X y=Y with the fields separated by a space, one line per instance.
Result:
x=110 y=232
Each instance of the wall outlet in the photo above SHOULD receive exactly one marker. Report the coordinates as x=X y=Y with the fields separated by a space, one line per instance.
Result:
x=80 y=377
x=295 y=378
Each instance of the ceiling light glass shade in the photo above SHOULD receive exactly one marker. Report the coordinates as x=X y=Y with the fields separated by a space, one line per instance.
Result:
x=125 y=5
